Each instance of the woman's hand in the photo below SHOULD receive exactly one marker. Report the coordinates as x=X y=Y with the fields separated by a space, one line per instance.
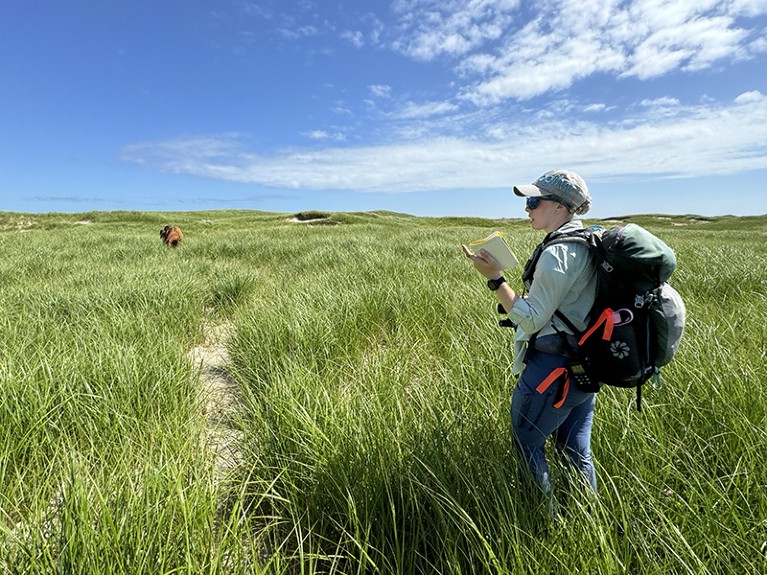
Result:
x=489 y=267
x=486 y=264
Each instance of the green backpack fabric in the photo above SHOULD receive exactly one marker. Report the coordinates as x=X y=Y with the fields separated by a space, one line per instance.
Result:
x=635 y=257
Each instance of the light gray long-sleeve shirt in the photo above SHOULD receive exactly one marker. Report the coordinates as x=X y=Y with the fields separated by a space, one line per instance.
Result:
x=564 y=279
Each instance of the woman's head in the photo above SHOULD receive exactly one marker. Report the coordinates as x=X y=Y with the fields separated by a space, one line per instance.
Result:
x=563 y=186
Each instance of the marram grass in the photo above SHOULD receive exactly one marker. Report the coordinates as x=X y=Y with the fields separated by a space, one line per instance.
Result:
x=371 y=405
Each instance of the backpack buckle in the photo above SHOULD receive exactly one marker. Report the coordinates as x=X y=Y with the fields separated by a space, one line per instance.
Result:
x=643 y=300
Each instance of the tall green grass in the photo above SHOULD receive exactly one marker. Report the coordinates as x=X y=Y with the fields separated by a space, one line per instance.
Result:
x=373 y=389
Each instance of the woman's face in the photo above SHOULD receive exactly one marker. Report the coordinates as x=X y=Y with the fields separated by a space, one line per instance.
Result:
x=546 y=216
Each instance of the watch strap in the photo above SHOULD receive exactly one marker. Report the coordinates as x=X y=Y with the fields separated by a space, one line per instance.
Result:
x=495 y=284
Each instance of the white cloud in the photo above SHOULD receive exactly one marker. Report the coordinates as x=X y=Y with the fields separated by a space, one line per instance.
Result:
x=748 y=7
x=193 y=149
x=692 y=45
x=750 y=97
x=342 y=110
x=380 y=90
x=426 y=109
x=450 y=27
x=759 y=45
x=472 y=141
x=533 y=66
x=355 y=38
x=667 y=101
x=323 y=135
x=568 y=40
x=709 y=139
x=300 y=32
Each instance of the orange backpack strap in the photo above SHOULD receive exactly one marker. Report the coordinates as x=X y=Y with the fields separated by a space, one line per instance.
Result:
x=551 y=378
x=605 y=318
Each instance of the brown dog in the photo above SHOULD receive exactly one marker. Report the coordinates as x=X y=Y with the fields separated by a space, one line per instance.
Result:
x=171 y=236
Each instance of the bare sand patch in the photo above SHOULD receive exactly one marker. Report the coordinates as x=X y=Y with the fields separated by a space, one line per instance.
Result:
x=218 y=398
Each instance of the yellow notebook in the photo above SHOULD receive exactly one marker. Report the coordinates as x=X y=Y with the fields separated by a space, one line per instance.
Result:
x=496 y=246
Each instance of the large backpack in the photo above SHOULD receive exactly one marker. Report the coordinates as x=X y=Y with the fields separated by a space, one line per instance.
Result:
x=637 y=319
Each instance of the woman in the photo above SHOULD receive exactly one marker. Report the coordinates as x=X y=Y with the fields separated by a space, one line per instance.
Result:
x=545 y=402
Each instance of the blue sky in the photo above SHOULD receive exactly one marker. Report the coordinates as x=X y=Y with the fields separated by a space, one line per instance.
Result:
x=430 y=107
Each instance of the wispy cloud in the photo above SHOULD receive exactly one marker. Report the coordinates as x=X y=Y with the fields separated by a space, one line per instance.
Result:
x=300 y=32
x=450 y=27
x=380 y=90
x=500 y=57
x=486 y=124
x=323 y=135
x=425 y=109
x=74 y=200
x=356 y=37
x=704 y=140
x=500 y=51
x=665 y=101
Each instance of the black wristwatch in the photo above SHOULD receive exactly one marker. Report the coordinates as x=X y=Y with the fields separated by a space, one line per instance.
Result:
x=495 y=284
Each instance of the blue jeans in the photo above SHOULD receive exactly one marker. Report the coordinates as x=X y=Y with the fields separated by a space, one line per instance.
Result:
x=534 y=418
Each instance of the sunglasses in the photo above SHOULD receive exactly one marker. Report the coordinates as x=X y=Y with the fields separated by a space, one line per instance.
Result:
x=533 y=203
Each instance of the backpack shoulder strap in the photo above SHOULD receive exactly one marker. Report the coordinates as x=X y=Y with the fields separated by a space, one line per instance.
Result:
x=587 y=236
x=565 y=320
x=584 y=236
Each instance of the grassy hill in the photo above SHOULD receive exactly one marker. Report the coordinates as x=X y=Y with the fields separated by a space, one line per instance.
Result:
x=363 y=426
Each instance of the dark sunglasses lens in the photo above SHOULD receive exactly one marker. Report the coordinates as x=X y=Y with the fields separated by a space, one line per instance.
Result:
x=533 y=203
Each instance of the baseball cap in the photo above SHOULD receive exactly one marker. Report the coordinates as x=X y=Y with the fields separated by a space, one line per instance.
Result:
x=567 y=187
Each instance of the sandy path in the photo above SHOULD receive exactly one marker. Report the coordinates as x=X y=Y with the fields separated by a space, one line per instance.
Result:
x=218 y=398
